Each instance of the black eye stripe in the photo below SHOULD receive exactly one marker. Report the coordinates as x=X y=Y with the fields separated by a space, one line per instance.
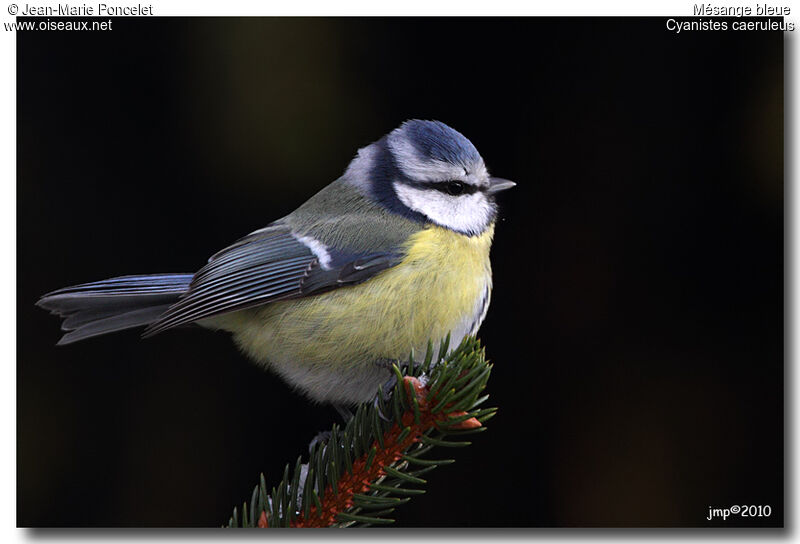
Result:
x=446 y=187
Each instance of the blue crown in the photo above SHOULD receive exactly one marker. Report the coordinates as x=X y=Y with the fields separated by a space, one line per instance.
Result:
x=435 y=140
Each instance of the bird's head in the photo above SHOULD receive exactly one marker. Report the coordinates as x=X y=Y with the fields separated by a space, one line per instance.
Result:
x=427 y=169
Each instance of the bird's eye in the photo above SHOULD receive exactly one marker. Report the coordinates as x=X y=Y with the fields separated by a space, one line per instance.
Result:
x=455 y=188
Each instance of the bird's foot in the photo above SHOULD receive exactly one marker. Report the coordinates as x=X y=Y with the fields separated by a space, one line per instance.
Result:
x=387 y=363
x=345 y=412
x=321 y=437
x=388 y=388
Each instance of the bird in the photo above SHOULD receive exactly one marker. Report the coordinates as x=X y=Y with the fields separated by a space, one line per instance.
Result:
x=389 y=256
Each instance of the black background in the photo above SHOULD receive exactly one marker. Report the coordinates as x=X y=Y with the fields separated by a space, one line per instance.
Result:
x=636 y=322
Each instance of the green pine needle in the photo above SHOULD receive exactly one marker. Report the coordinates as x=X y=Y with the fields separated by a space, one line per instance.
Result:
x=454 y=384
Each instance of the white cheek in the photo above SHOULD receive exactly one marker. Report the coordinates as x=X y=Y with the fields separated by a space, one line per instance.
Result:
x=470 y=214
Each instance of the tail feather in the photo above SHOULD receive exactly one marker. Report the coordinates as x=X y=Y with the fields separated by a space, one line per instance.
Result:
x=128 y=320
x=101 y=307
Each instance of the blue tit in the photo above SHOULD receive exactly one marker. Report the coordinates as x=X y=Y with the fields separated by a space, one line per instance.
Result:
x=391 y=255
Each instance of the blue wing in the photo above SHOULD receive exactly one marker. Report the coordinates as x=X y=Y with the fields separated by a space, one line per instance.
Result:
x=268 y=265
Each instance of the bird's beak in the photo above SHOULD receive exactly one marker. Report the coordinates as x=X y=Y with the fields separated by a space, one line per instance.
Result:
x=499 y=184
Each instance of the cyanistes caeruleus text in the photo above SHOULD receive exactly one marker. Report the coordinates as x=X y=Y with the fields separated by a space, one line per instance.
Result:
x=391 y=255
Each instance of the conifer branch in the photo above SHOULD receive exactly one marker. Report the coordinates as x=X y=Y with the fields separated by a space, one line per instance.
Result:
x=375 y=463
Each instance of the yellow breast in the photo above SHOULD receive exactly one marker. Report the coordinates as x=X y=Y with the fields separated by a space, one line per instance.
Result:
x=442 y=286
